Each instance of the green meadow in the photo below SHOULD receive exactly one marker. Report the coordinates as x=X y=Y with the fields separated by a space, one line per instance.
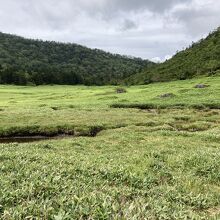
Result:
x=149 y=153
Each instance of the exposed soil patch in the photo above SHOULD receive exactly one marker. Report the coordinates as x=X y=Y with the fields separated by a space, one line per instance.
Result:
x=55 y=108
x=167 y=95
x=201 y=86
x=121 y=90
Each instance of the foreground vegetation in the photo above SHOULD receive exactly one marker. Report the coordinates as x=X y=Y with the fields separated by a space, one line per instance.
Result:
x=155 y=157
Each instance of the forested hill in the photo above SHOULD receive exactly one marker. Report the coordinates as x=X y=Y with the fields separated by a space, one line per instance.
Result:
x=201 y=58
x=24 y=61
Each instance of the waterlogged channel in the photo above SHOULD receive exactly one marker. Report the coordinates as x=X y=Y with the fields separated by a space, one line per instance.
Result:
x=92 y=132
x=31 y=139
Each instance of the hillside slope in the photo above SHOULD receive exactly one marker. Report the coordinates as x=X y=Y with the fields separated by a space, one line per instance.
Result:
x=202 y=58
x=24 y=61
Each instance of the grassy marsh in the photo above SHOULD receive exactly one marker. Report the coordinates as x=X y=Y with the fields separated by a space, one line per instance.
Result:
x=152 y=163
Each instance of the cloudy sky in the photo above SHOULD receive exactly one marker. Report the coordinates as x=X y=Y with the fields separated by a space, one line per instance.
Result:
x=152 y=29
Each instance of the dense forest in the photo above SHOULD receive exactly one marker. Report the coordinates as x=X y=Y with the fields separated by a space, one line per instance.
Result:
x=201 y=58
x=35 y=62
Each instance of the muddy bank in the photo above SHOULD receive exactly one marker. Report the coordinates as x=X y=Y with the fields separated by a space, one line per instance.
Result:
x=202 y=106
x=28 y=136
x=29 y=139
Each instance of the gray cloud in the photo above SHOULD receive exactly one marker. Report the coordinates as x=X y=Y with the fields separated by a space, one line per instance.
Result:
x=152 y=5
x=199 y=17
x=146 y=28
x=128 y=25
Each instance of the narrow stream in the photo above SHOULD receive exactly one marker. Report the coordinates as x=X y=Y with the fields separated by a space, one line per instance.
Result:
x=28 y=139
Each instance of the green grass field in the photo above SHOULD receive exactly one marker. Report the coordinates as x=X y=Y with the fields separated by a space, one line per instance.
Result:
x=133 y=155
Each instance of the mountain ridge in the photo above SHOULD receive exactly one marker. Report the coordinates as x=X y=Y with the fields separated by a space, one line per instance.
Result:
x=201 y=58
x=29 y=61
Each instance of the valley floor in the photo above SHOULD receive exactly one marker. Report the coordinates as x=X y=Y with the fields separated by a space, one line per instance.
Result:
x=142 y=154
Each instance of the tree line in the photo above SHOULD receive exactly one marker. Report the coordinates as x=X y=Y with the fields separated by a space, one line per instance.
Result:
x=35 y=62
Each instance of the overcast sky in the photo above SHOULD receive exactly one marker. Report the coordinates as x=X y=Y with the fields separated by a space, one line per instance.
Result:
x=152 y=29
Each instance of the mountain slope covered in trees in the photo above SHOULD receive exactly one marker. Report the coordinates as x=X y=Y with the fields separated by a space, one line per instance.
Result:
x=25 y=61
x=201 y=58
